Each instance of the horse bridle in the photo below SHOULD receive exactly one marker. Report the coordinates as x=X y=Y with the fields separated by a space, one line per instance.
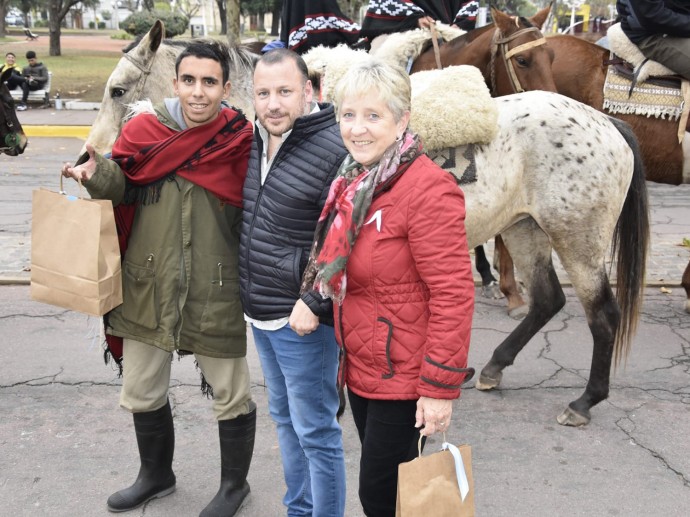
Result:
x=145 y=69
x=499 y=42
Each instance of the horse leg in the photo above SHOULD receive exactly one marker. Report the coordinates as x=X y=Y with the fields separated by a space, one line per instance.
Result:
x=517 y=308
x=532 y=252
x=603 y=317
x=685 y=282
x=489 y=283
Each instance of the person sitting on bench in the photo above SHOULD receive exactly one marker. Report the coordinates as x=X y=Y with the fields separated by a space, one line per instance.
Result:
x=36 y=75
x=15 y=80
x=30 y=35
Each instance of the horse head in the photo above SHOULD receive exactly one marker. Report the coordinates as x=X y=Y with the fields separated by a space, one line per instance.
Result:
x=12 y=138
x=521 y=48
x=146 y=71
x=132 y=81
x=511 y=53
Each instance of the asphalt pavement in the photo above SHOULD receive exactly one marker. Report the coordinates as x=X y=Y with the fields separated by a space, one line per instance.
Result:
x=65 y=445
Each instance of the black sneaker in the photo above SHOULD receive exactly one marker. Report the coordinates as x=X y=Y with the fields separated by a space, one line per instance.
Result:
x=21 y=107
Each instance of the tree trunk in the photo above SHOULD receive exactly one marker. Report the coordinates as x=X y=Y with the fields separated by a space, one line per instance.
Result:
x=223 y=17
x=233 y=18
x=54 y=27
x=275 y=23
x=3 y=12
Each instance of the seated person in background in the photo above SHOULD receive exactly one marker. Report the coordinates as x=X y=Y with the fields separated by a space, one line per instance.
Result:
x=16 y=79
x=35 y=75
x=660 y=29
x=391 y=16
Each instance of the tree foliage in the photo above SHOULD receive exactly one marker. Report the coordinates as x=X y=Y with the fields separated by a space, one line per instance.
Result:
x=141 y=22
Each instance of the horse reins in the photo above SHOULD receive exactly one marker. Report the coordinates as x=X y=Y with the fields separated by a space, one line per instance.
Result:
x=499 y=42
x=145 y=70
x=434 y=41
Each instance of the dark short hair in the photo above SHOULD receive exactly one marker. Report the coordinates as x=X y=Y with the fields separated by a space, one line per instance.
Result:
x=11 y=54
x=207 y=49
x=278 y=55
x=30 y=54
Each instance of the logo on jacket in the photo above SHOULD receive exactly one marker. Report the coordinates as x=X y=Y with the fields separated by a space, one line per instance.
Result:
x=376 y=217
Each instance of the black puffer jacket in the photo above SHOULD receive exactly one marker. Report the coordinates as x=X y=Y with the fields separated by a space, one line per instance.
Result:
x=279 y=218
x=643 y=18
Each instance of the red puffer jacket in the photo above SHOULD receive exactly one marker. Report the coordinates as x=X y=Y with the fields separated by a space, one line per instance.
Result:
x=406 y=318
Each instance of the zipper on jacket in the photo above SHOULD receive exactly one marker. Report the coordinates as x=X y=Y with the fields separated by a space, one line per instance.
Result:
x=249 y=236
x=220 y=275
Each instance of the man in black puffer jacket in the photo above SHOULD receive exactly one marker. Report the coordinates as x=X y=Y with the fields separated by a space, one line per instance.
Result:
x=660 y=29
x=296 y=152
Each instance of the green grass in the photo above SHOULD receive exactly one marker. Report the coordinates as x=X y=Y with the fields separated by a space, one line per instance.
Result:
x=80 y=74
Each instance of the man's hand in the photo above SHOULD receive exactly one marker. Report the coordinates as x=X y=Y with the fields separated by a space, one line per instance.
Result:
x=302 y=320
x=425 y=22
x=84 y=171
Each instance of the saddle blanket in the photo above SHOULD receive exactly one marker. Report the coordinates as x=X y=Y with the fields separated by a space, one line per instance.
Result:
x=459 y=161
x=646 y=99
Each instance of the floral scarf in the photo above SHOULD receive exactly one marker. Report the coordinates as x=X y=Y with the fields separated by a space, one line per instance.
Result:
x=341 y=219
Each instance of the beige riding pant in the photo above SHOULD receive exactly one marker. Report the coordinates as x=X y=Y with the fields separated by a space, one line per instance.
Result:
x=146 y=379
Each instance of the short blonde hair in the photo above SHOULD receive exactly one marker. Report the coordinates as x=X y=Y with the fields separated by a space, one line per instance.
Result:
x=373 y=75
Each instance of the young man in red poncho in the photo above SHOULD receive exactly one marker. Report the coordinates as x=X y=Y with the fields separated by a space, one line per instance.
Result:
x=175 y=179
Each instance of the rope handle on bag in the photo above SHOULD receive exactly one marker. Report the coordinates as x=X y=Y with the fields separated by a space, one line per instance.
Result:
x=81 y=188
x=463 y=484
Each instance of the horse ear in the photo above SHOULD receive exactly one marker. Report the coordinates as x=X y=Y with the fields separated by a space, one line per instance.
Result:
x=502 y=21
x=155 y=35
x=539 y=18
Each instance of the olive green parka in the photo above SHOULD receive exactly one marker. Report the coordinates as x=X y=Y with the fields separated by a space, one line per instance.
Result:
x=180 y=270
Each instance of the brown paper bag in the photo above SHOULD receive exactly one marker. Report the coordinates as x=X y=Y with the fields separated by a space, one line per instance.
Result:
x=75 y=256
x=428 y=485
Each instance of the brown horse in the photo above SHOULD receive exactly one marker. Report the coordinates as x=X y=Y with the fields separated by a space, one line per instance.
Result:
x=579 y=71
x=513 y=57
x=12 y=138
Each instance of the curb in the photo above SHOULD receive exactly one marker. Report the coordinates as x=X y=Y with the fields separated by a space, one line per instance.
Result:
x=57 y=131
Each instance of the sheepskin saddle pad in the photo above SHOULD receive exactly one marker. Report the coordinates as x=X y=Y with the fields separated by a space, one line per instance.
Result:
x=402 y=48
x=627 y=50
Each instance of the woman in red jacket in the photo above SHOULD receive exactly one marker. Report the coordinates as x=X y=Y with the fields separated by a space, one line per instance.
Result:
x=391 y=250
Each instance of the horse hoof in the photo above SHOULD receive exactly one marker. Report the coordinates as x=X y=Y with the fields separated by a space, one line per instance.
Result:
x=492 y=291
x=572 y=419
x=518 y=313
x=486 y=383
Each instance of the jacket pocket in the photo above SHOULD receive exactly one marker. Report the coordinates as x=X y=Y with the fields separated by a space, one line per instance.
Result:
x=297 y=267
x=222 y=314
x=140 y=304
x=382 y=345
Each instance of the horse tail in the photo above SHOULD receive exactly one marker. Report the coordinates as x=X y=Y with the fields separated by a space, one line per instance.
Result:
x=631 y=243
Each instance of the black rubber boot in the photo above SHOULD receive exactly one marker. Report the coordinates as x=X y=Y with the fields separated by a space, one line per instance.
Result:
x=236 y=449
x=156 y=441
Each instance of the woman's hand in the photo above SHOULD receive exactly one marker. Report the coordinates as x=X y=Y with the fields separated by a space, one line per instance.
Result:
x=434 y=415
x=84 y=171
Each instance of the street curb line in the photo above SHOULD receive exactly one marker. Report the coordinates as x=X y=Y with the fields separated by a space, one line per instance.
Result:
x=57 y=131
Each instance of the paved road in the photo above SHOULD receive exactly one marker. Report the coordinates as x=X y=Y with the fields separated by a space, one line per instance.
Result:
x=65 y=446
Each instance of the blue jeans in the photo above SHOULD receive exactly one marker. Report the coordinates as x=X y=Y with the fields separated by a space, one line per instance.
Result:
x=301 y=375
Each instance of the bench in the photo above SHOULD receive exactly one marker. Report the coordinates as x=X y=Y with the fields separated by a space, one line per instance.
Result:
x=42 y=95
x=30 y=35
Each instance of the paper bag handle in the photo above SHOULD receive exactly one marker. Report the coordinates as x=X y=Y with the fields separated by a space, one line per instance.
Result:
x=460 y=473
x=81 y=188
